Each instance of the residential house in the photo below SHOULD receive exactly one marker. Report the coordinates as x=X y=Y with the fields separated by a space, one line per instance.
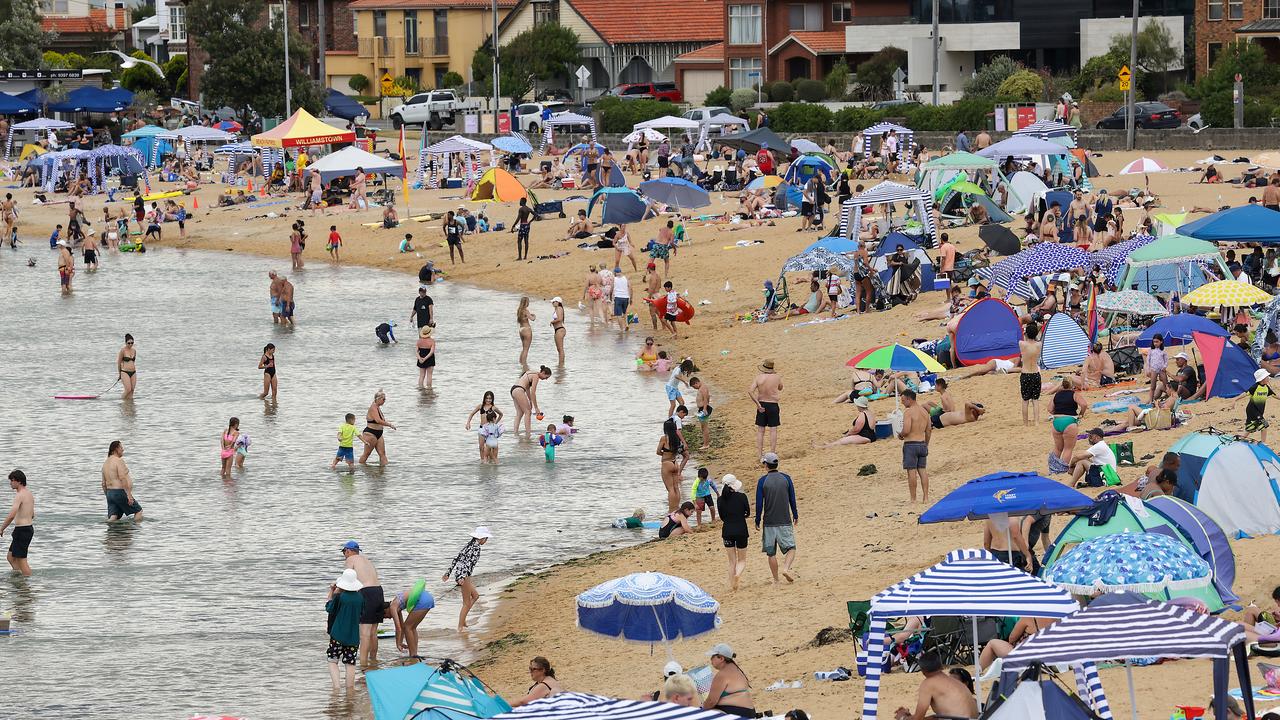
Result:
x=420 y=39
x=623 y=42
x=85 y=26
x=1218 y=22
x=164 y=34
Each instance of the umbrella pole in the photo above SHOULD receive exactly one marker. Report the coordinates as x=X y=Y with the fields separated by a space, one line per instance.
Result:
x=666 y=642
x=977 y=669
x=1133 y=698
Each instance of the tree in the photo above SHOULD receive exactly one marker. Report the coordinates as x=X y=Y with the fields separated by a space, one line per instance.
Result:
x=720 y=97
x=175 y=72
x=837 y=80
x=359 y=83
x=541 y=53
x=246 y=58
x=1156 y=51
x=986 y=82
x=875 y=75
x=20 y=34
x=742 y=98
x=451 y=80
x=1024 y=85
x=142 y=11
x=141 y=78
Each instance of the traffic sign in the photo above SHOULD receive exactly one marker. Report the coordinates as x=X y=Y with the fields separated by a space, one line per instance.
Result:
x=583 y=75
x=387 y=82
x=1125 y=77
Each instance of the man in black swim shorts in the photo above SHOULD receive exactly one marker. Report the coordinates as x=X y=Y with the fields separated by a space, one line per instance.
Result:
x=21 y=516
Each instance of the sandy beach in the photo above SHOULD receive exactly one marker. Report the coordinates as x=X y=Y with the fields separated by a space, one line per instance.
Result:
x=857 y=533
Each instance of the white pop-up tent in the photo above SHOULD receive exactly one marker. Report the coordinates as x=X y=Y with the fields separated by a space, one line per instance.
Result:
x=347 y=160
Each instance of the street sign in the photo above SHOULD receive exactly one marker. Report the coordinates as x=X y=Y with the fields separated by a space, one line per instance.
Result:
x=386 y=83
x=1125 y=77
x=583 y=75
x=899 y=84
x=898 y=75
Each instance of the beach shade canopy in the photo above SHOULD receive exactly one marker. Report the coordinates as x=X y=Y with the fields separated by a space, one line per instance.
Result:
x=1172 y=248
x=244 y=147
x=1063 y=343
x=838 y=245
x=1022 y=146
x=300 y=130
x=1112 y=259
x=803 y=145
x=196 y=133
x=1227 y=293
x=1014 y=273
x=677 y=192
x=960 y=161
x=1048 y=129
x=92 y=99
x=968 y=583
x=1144 y=165
x=648 y=607
x=753 y=140
x=1246 y=224
x=1023 y=187
x=1178 y=329
x=581 y=706
x=499 y=185
x=1228 y=369
x=988 y=329
x=1131 y=302
x=1011 y=494
x=42 y=124
x=456 y=144
x=764 y=182
x=448 y=691
x=14 y=105
x=583 y=147
x=821 y=259
x=345 y=161
x=1206 y=536
x=1000 y=239
x=145 y=131
x=895 y=357
x=667 y=122
x=915 y=256
x=888 y=193
x=1137 y=562
x=618 y=206
x=649 y=134
x=339 y=105
x=517 y=144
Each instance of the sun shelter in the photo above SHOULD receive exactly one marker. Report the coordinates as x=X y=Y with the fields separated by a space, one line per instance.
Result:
x=1064 y=343
x=439 y=157
x=938 y=171
x=1111 y=259
x=562 y=120
x=1022 y=146
x=1228 y=369
x=1122 y=626
x=906 y=140
x=443 y=691
x=915 y=255
x=722 y=123
x=147 y=139
x=1244 y=224
x=1237 y=488
x=302 y=129
x=93 y=100
x=54 y=165
x=968 y=583
x=807 y=166
x=114 y=159
x=499 y=185
x=667 y=122
x=1173 y=263
x=987 y=330
x=1038 y=697
x=14 y=105
x=345 y=162
x=753 y=140
x=339 y=105
x=888 y=193
x=1045 y=129
x=35 y=125
x=582 y=706
x=1024 y=188
x=1014 y=273
x=1208 y=538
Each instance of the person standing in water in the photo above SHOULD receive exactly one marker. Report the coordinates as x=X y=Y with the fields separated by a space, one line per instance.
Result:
x=426 y=357
x=524 y=317
x=375 y=423
x=127 y=368
x=66 y=267
x=267 y=364
x=295 y=246
x=227 y=445
x=371 y=610
x=408 y=609
x=117 y=485
x=557 y=325
x=22 y=516
x=462 y=568
x=276 y=283
x=286 y=302
x=524 y=394
x=485 y=407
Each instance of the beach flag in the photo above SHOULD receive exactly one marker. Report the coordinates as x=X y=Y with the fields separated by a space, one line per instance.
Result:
x=404 y=163
x=1094 y=320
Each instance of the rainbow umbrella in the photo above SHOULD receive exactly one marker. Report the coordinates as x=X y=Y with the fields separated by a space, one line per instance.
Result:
x=1226 y=293
x=895 y=357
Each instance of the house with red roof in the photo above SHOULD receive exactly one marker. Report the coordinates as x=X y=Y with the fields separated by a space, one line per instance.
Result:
x=84 y=27
x=625 y=42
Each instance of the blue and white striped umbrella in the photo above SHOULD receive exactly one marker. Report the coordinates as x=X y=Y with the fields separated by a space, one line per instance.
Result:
x=1042 y=259
x=582 y=706
x=1138 y=562
x=1111 y=259
x=648 y=607
x=1064 y=343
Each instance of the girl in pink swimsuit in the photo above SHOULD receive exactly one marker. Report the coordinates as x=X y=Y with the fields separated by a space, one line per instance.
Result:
x=228 y=442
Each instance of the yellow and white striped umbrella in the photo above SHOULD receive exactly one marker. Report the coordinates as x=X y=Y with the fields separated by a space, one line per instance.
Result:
x=1225 y=293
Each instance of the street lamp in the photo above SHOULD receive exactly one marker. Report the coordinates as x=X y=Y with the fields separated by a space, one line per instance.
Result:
x=496 y=108
x=288 y=86
x=1133 y=68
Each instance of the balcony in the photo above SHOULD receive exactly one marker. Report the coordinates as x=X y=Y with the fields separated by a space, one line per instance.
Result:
x=439 y=45
x=411 y=47
x=378 y=46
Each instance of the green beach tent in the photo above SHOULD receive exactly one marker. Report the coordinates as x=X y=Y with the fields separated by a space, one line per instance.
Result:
x=960 y=161
x=1171 y=263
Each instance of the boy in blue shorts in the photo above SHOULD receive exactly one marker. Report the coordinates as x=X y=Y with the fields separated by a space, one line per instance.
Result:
x=346 y=443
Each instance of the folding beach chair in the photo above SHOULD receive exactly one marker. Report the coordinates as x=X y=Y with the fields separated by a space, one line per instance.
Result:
x=952 y=637
x=731 y=181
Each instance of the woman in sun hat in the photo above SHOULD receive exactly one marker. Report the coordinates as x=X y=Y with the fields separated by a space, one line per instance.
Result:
x=426 y=356
x=343 y=605
x=463 y=566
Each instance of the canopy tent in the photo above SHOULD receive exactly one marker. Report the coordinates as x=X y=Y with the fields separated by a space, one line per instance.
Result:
x=1022 y=146
x=345 y=162
x=34 y=125
x=915 y=255
x=200 y=133
x=986 y=330
x=14 y=105
x=35 y=96
x=1244 y=224
x=448 y=691
x=1206 y=536
x=1045 y=129
x=753 y=140
x=1046 y=258
x=567 y=119
x=302 y=129
x=438 y=157
x=887 y=193
x=499 y=185
x=581 y=706
x=724 y=123
x=339 y=105
x=107 y=160
x=1064 y=343
x=807 y=166
x=968 y=583
x=53 y=165
x=145 y=131
x=1111 y=259
x=667 y=122
x=939 y=171
x=95 y=100
x=1173 y=263
x=906 y=140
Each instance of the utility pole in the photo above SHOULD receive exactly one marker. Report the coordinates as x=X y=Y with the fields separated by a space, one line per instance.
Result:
x=288 y=85
x=497 y=108
x=936 y=44
x=1133 y=65
x=321 y=44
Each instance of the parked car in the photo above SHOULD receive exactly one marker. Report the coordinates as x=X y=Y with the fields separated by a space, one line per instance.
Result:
x=898 y=104
x=703 y=113
x=1145 y=115
x=433 y=109
x=666 y=91
x=529 y=115
x=1196 y=123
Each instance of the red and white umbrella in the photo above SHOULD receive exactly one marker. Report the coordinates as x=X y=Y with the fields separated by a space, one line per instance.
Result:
x=1144 y=165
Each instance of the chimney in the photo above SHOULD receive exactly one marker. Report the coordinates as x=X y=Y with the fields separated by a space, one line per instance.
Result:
x=110 y=9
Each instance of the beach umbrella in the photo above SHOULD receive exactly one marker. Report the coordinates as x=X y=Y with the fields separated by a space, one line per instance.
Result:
x=512 y=144
x=1000 y=239
x=835 y=243
x=647 y=133
x=1137 y=562
x=648 y=607
x=1226 y=293
x=676 y=191
x=583 y=147
x=1132 y=302
x=442 y=691
x=765 y=182
x=582 y=706
x=618 y=205
x=1178 y=329
x=804 y=146
x=1143 y=165
x=229 y=126
x=819 y=258
x=895 y=357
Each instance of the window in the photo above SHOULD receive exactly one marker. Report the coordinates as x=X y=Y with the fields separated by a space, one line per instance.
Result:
x=410 y=32
x=304 y=14
x=60 y=7
x=1215 y=49
x=744 y=72
x=275 y=12
x=178 y=23
x=842 y=12
x=744 y=24
x=546 y=11
x=1271 y=9
x=1215 y=9
x=355 y=23
x=805 y=17
x=380 y=23
x=440 y=22
x=1235 y=9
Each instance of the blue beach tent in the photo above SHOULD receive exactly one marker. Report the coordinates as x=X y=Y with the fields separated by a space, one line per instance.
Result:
x=805 y=167
x=447 y=692
x=880 y=261
x=1247 y=223
x=1208 y=538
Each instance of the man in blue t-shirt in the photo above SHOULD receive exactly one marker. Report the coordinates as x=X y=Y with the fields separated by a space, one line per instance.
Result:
x=776 y=505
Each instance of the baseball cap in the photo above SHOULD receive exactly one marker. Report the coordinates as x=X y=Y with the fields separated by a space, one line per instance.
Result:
x=769 y=459
x=861 y=402
x=672 y=668
x=617 y=271
x=721 y=649
x=351 y=545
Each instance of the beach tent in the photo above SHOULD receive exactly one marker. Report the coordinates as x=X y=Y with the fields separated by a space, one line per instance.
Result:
x=302 y=129
x=582 y=706
x=1129 y=515
x=31 y=150
x=339 y=105
x=1240 y=488
x=1019 y=146
x=888 y=193
x=1024 y=187
x=807 y=166
x=615 y=179
x=1015 y=272
x=787 y=196
x=906 y=141
x=439 y=156
x=915 y=253
x=1193 y=451
x=956 y=166
x=1245 y=224
x=752 y=140
x=1064 y=343
x=1173 y=263
x=14 y=105
x=1208 y=538
x=563 y=120
x=447 y=692
x=1038 y=699
x=986 y=330
x=92 y=99
x=345 y=162
x=1228 y=369
x=106 y=160
x=500 y=185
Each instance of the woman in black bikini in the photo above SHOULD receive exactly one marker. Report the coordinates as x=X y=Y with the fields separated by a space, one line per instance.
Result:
x=730 y=691
x=486 y=406
x=677 y=522
x=126 y=366
x=268 y=367
x=525 y=396
x=863 y=430
x=544 y=684
x=426 y=356
x=375 y=423
x=557 y=325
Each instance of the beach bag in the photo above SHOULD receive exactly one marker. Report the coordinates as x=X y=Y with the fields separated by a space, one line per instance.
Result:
x=1110 y=477
x=1128 y=360
x=1124 y=453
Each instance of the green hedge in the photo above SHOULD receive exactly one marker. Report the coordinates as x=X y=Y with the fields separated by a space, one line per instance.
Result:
x=800 y=118
x=620 y=116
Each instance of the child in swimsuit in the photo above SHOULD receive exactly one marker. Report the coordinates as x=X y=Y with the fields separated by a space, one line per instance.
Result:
x=490 y=430
x=549 y=441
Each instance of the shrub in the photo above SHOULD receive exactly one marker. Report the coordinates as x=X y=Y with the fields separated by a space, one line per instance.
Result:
x=720 y=97
x=781 y=92
x=811 y=90
x=359 y=83
x=968 y=115
x=987 y=81
x=1022 y=85
x=855 y=119
x=451 y=80
x=742 y=98
x=1106 y=93
x=620 y=116
x=837 y=81
x=800 y=118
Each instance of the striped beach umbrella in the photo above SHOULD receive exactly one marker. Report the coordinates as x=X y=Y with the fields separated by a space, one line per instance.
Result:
x=895 y=357
x=1226 y=293
x=1144 y=165
x=1131 y=302
x=582 y=706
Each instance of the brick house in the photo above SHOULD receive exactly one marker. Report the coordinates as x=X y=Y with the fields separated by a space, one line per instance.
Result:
x=1218 y=22
x=84 y=28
